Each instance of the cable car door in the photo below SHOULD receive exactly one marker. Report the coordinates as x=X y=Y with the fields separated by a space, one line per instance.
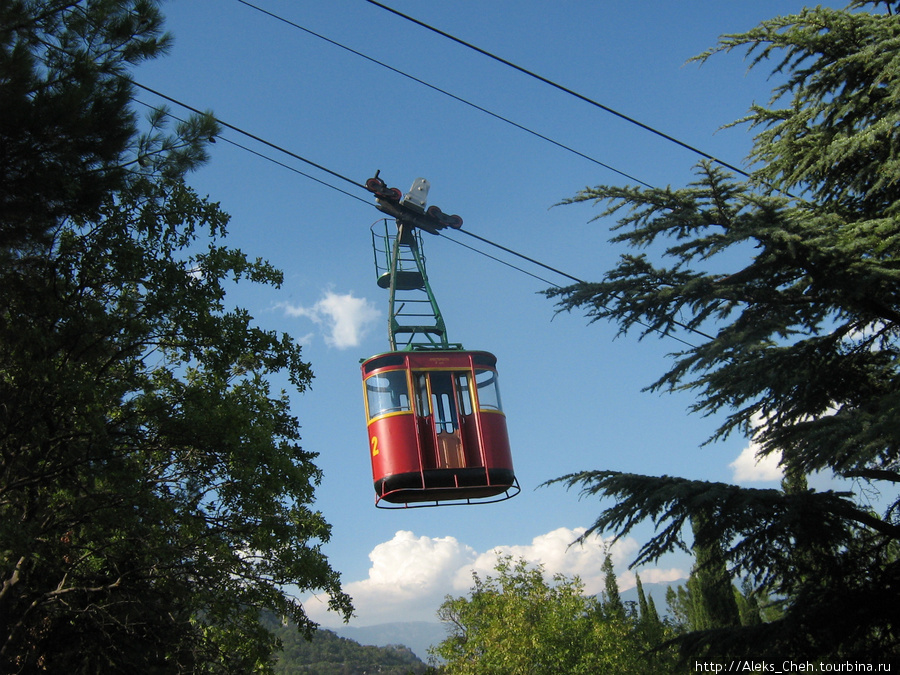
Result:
x=439 y=397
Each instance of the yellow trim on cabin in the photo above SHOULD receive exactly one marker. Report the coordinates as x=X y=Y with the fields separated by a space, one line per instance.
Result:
x=492 y=410
x=390 y=414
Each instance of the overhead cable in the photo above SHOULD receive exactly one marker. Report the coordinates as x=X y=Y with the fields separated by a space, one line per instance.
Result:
x=225 y=139
x=560 y=87
x=444 y=92
x=524 y=257
x=248 y=134
x=499 y=260
x=582 y=281
x=353 y=182
x=344 y=178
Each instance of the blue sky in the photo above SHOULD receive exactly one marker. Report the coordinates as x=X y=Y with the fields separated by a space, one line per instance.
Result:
x=572 y=393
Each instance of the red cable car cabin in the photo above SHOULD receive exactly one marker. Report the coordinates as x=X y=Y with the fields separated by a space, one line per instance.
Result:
x=436 y=428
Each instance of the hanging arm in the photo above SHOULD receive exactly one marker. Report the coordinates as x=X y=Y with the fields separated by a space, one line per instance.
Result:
x=410 y=208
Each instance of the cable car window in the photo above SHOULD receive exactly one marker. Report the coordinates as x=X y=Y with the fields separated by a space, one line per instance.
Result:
x=444 y=417
x=465 y=396
x=442 y=402
x=387 y=393
x=488 y=392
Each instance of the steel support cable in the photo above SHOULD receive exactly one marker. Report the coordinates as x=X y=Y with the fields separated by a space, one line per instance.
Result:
x=249 y=135
x=582 y=281
x=446 y=93
x=524 y=257
x=344 y=192
x=471 y=234
x=499 y=260
x=507 y=120
x=269 y=159
x=560 y=87
x=353 y=182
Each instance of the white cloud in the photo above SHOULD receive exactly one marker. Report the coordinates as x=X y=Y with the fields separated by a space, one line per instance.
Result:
x=407 y=581
x=751 y=466
x=345 y=318
x=415 y=564
x=410 y=576
x=553 y=550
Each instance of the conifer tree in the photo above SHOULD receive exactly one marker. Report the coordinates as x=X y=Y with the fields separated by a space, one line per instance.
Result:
x=643 y=607
x=748 y=604
x=649 y=622
x=613 y=606
x=802 y=333
x=713 y=582
x=652 y=612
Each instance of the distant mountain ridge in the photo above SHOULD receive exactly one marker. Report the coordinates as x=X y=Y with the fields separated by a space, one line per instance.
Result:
x=417 y=635
x=330 y=654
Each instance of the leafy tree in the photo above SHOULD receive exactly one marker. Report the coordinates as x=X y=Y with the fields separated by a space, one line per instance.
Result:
x=153 y=495
x=518 y=623
x=793 y=279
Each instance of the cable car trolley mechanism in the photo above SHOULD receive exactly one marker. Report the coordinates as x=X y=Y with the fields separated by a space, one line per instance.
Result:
x=437 y=432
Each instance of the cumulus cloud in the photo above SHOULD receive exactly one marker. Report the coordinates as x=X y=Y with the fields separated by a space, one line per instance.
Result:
x=410 y=575
x=752 y=467
x=415 y=564
x=407 y=581
x=345 y=318
x=554 y=552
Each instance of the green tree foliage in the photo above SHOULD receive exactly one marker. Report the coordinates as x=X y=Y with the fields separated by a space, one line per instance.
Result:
x=688 y=611
x=649 y=624
x=612 y=604
x=713 y=582
x=153 y=495
x=793 y=277
x=517 y=623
